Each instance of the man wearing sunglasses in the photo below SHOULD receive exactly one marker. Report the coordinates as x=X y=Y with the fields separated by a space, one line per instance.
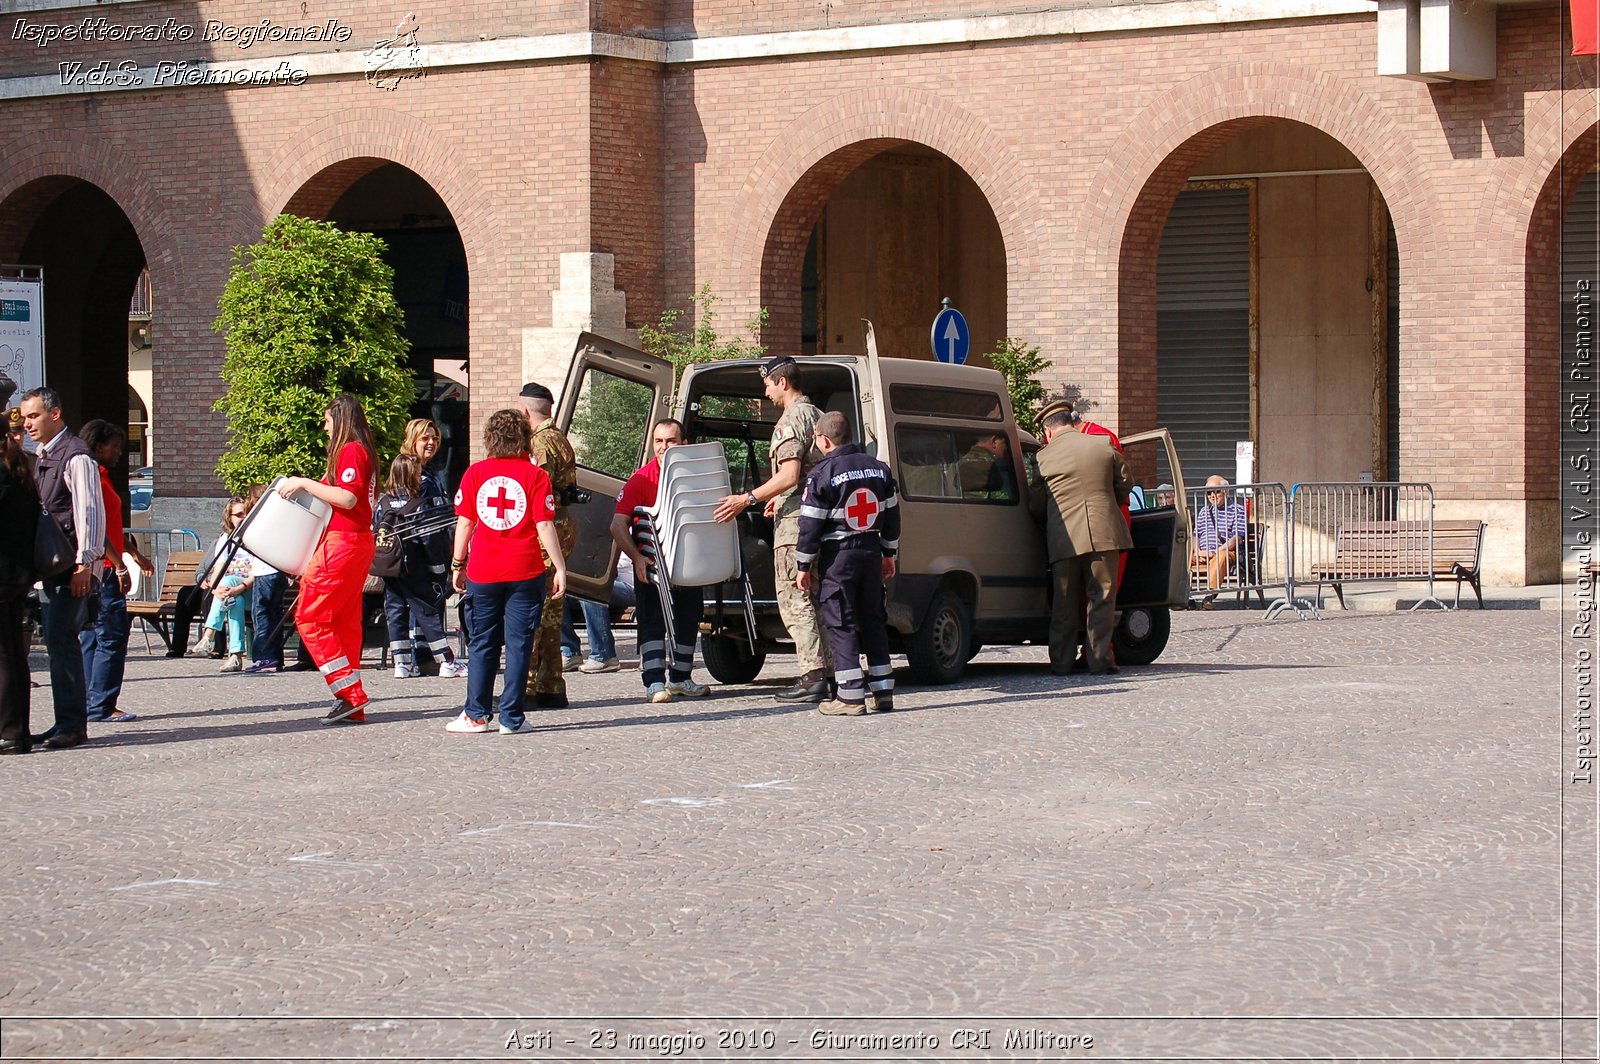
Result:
x=1220 y=527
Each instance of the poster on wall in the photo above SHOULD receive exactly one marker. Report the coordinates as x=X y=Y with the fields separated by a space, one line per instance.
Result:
x=22 y=331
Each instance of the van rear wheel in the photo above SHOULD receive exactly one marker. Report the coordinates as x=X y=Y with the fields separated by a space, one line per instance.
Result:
x=938 y=651
x=1141 y=634
x=731 y=660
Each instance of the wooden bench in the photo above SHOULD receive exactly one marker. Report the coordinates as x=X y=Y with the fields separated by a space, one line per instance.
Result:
x=159 y=613
x=1398 y=550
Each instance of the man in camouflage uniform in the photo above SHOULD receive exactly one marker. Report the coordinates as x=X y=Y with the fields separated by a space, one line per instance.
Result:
x=551 y=452
x=794 y=451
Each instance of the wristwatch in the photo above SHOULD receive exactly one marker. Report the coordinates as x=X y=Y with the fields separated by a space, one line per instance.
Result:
x=751 y=500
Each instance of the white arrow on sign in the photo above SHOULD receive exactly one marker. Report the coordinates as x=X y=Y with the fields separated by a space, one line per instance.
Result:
x=951 y=336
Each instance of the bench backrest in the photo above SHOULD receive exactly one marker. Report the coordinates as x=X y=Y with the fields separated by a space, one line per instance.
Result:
x=181 y=567
x=1454 y=542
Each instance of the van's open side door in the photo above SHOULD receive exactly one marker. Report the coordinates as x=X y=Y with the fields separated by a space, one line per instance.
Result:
x=613 y=395
x=874 y=420
x=1145 y=586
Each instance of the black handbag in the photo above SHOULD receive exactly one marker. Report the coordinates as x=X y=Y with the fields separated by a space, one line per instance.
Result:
x=54 y=554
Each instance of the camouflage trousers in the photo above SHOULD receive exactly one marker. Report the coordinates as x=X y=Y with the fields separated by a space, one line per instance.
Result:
x=799 y=612
x=544 y=671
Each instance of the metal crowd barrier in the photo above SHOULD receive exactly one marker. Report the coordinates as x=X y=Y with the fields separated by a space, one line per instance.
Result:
x=1259 y=560
x=1351 y=533
x=158 y=545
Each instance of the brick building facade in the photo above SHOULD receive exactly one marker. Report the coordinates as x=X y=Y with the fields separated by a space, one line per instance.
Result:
x=601 y=161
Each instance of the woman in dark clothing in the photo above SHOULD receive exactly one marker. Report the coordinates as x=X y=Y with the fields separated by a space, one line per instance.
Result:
x=19 y=512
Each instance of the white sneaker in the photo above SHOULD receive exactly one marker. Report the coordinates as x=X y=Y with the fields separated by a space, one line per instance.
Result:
x=657 y=693
x=406 y=672
x=687 y=688
x=452 y=670
x=570 y=662
x=464 y=723
x=525 y=726
x=593 y=665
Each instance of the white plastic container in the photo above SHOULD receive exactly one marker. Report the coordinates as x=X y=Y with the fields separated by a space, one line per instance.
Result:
x=284 y=533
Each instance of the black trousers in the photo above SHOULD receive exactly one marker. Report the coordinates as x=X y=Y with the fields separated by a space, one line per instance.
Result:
x=191 y=601
x=850 y=606
x=14 y=681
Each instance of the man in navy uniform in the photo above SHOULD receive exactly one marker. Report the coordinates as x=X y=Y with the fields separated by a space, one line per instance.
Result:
x=849 y=535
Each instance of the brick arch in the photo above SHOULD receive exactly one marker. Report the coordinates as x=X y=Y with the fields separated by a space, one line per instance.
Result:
x=41 y=166
x=316 y=164
x=1536 y=214
x=787 y=187
x=1129 y=197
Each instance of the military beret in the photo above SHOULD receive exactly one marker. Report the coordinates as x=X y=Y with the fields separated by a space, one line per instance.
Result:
x=537 y=391
x=773 y=365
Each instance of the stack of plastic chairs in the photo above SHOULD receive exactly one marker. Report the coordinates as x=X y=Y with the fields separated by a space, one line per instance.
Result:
x=692 y=548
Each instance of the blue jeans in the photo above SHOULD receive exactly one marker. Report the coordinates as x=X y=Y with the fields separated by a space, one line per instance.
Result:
x=596 y=620
x=266 y=612
x=105 y=649
x=504 y=615
x=64 y=618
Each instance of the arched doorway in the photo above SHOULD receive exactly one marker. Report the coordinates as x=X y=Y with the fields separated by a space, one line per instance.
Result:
x=90 y=259
x=1562 y=310
x=1276 y=306
x=425 y=250
x=883 y=230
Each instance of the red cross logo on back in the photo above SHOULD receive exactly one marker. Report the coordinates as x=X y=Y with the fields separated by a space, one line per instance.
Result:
x=861 y=510
x=501 y=503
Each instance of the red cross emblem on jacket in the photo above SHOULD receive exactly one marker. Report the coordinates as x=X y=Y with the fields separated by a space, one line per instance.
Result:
x=861 y=511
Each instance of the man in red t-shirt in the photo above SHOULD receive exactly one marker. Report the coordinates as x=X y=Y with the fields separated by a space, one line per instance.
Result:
x=105 y=646
x=631 y=530
x=504 y=511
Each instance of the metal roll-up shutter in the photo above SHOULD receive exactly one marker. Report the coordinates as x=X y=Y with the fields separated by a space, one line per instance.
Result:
x=1203 y=329
x=1580 y=261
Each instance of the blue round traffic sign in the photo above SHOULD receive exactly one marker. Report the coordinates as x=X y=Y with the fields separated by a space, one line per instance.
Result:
x=952 y=340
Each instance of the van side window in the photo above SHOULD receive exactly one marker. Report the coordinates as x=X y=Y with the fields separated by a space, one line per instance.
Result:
x=611 y=423
x=925 y=401
x=956 y=465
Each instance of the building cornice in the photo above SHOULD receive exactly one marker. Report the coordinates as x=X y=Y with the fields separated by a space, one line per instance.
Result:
x=130 y=75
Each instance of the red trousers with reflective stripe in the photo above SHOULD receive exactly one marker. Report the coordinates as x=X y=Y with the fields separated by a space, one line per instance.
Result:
x=329 y=614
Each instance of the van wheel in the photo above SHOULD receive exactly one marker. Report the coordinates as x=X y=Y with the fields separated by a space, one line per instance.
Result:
x=938 y=651
x=1141 y=635
x=731 y=660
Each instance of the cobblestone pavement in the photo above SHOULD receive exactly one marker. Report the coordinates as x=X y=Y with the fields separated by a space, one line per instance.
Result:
x=1357 y=818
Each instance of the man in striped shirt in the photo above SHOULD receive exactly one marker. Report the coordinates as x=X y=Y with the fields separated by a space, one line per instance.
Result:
x=1220 y=528
x=69 y=489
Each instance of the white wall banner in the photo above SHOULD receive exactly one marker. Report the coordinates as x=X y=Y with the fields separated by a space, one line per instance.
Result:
x=22 y=332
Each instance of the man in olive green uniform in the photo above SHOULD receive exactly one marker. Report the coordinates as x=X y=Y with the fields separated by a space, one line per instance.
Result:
x=551 y=452
x=794 y=451
x=1082 y=482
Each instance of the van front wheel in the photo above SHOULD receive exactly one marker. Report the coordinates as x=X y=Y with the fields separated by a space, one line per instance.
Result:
x=938 y=651
x=731 y=660
x=1141 y=634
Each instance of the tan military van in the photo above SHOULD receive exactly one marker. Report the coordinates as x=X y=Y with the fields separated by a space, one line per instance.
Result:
x=972 y=568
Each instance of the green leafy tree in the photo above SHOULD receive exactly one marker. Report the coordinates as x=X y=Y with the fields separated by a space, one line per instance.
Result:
x=612 y=417
x=309 y=313
x=700 y=342
x=1020 y=364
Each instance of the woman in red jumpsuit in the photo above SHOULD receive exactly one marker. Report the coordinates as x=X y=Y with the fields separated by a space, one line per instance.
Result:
x=329 y=614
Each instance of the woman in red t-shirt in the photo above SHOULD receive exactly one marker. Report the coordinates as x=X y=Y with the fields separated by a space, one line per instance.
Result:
x=329 y=614
x=504 y=510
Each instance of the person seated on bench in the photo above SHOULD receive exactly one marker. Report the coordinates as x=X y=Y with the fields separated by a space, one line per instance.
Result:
x=1220 y=528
